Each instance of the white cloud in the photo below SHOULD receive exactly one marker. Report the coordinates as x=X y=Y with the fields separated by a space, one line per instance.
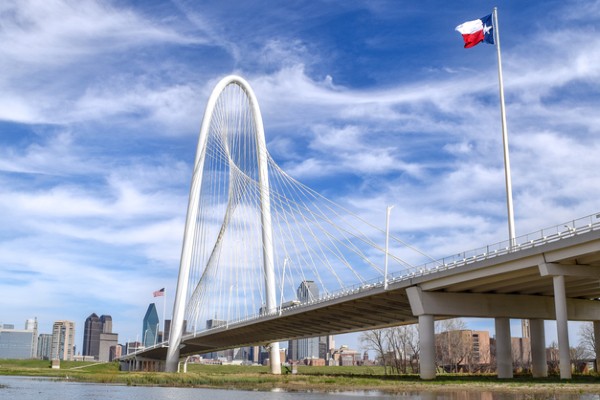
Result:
x=68 y=61
x=57 y=32
x=74 y=206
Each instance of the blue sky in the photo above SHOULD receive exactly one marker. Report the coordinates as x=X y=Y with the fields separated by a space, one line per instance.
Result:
x=368 y=102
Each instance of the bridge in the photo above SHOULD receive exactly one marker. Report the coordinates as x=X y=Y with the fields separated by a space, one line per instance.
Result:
x=253 y=234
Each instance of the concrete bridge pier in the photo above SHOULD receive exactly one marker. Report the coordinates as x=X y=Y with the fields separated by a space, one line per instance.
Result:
x=560 y=302
x=504 y=366
x=427 y=347
x=539 y=366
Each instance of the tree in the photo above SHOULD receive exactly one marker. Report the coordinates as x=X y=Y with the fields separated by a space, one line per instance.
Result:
x=553 y=358
x=453 y=347
x=587 y=339
x=397 y=347
x=404 y=345
x=375 y=340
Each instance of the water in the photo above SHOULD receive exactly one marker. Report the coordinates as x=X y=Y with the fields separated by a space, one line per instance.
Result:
x=24 y=388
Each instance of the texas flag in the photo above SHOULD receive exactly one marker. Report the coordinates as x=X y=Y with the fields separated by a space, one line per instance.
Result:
x=479 y=30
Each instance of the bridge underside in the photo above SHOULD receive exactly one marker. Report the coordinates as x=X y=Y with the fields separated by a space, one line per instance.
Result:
x=514 y=285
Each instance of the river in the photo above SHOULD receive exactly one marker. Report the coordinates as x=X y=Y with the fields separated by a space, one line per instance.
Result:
x=25 y=388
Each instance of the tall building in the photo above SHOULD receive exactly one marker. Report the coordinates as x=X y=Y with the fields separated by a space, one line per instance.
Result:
x=525 y=328
x=150 y=326
x=32 y=325
x=91 y=336
x=108 y=339
x=307 y=291
x=63 y=340
x=44 y=346
x=167 y=330
x=106 y=321
x=326 y=345
x=19 y=343
x=98 y=337
x=299 y=349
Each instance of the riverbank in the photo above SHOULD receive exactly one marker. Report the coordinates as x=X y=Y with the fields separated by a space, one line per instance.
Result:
x=322 y=379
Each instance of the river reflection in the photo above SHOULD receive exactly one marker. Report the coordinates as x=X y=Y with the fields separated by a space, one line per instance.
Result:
x=23 y=388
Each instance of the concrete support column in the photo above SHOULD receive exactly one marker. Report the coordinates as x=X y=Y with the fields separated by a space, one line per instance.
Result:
x=504 y=367
x=275 y=358
x=597 y=342
x=562 y=326
x=427 y=347
x=539 y=366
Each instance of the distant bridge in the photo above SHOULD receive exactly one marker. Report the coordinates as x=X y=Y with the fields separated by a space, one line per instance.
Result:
x=253 y=234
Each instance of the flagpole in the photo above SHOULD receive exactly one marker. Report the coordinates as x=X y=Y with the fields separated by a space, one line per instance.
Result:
x=164 y=315
x=507 y=178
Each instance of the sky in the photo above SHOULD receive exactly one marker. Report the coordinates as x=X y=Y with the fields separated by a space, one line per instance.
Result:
x=371 y=103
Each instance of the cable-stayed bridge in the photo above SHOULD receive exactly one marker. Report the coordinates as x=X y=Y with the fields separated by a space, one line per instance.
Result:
x=265 y=259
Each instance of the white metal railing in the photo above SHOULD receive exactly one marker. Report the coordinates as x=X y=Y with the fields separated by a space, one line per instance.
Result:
x=535 y=239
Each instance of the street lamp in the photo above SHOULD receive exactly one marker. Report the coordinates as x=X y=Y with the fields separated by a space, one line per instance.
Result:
x=387 y=240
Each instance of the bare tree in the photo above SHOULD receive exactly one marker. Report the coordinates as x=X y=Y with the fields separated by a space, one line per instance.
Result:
x=375 y=340
x=579 y=357
x=403 y=342
x=588 y=339
x=553 y=358
x=453 y=348
x=397 y=347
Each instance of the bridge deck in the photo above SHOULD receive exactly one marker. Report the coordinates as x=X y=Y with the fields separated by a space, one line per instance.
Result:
x=514 y=279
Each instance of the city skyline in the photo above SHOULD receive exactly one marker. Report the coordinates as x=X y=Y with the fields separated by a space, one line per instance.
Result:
x=371 y=103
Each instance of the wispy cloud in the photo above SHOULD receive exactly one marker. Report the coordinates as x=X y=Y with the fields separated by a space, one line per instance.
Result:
x=101 y=103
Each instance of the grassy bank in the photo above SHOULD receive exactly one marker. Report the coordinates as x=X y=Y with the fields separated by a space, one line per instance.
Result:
x=308 y=378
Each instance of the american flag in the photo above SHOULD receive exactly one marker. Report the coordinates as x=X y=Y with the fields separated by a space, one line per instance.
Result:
x=159 y=293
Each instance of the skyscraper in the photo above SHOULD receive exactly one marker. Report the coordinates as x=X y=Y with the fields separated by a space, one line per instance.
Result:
x=98 y=337
x=150 y=326
x=107 y=338
x=91 y=336
x=167 y=330
x=307 y=291
x=63 y=340
x=44 y=346
x=106 y=321
x=299 y=349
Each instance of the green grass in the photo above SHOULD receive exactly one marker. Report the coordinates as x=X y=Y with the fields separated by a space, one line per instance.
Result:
x=307 y=378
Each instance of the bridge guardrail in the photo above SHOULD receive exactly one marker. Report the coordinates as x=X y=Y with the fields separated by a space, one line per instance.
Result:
x=534 y=239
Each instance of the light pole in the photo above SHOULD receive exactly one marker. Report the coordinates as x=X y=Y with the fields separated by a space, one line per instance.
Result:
x=229 y=305
x=282 y=281
x=387 y=240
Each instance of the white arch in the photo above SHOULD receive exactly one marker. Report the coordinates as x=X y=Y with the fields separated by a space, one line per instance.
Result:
x=192 y=214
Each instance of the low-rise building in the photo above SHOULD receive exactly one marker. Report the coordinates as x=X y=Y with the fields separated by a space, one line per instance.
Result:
x=16 y=343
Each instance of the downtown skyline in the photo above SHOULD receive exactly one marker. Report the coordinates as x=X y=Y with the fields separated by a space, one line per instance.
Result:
x=371 y=103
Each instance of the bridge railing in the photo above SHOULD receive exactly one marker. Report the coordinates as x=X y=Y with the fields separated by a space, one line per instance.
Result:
x=534 y=239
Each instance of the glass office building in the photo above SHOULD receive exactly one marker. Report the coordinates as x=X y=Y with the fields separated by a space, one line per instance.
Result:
x=16 y=344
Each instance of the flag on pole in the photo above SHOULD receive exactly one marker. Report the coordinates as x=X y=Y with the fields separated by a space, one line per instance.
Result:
x=477 y=31
x=159 y=293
